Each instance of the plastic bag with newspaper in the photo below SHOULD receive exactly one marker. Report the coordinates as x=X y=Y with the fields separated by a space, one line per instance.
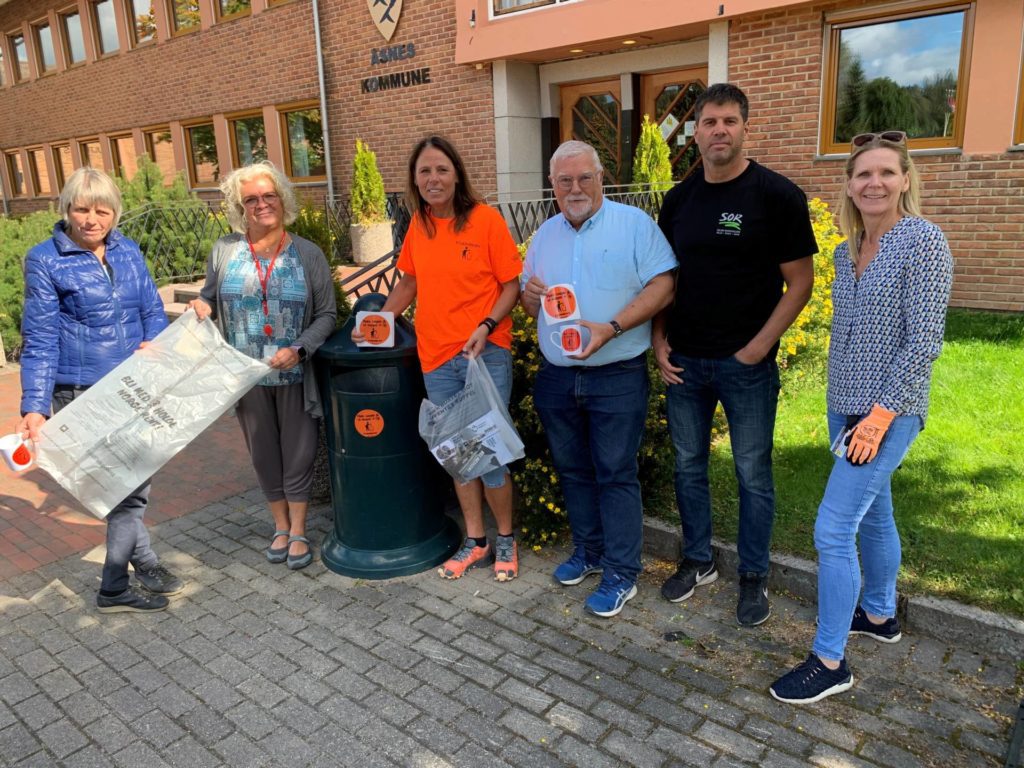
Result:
x=471 y=433
x=120 y=431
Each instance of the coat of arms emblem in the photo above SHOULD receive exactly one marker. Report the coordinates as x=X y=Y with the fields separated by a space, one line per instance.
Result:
x=385 y=15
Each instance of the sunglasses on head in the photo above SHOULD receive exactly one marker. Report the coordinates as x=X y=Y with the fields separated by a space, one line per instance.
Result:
x=896 y=137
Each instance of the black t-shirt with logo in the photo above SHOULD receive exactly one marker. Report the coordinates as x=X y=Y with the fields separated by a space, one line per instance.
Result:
x=730 y=239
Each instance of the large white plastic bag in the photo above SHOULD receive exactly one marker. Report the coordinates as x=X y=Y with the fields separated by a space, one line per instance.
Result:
x=120 y=431
x=471 y=433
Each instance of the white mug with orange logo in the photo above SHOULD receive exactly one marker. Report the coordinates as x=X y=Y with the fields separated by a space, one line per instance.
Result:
x=16 y=452
x=571 y=339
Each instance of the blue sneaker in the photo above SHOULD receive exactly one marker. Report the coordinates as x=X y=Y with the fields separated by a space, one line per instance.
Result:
x=611 y=594
x=575 y=569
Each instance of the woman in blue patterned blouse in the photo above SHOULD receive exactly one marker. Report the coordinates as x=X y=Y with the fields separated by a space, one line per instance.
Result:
x=892 y=284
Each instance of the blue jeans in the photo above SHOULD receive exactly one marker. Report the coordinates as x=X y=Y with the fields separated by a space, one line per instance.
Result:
x=594 y=420
x=448 y=379
x=127 y=537
x=858 y=499
x=749 y=394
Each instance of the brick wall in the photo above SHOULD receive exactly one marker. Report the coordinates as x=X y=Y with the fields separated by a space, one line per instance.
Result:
x=268 y=58
x=457 y=103
x=977 y=200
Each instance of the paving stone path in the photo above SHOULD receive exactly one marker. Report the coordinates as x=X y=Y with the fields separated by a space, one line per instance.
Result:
x=255 y=665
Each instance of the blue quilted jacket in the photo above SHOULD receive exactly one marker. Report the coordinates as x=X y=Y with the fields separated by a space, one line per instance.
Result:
x=78 y=323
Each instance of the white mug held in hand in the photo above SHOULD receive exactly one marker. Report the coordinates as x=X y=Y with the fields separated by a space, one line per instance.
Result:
x=571 y=339
x=15 y=452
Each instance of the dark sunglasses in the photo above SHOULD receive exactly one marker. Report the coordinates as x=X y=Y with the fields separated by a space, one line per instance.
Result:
x=896 y=137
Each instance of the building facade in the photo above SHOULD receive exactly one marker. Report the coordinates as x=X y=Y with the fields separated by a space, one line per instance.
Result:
x=202 y=86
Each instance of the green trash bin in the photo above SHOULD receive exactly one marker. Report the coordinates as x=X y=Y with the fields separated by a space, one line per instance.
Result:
x=387 y=490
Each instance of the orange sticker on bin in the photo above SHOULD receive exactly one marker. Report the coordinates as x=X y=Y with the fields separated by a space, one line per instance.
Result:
x=375 y=329
x=560 y=302
x=369 y=423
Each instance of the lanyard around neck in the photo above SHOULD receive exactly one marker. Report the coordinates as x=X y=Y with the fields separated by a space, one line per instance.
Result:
x=264 y=277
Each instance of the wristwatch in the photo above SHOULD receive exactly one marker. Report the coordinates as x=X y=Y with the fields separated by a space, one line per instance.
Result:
x=300 y=351
x=617 y=328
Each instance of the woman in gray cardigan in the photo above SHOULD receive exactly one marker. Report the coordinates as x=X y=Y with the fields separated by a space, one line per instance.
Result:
x=272 y=296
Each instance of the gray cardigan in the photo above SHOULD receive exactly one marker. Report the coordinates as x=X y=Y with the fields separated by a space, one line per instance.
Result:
x=321 y=311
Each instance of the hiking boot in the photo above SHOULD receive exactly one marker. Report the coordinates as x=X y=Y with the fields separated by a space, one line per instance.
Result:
x=159 y=580
x=576 y=568
x=611 y=594
x=506 y=558
x=752 y=608
x=132 y=599
x=886 y=632
x=688 y=576
x=470 y=556
x=811 y=681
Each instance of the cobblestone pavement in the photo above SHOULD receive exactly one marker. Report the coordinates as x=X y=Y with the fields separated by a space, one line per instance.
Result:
x=41 y=523
x=256 y=665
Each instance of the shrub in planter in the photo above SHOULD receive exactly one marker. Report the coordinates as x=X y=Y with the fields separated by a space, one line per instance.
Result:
x=652 y=168
x=370 y=229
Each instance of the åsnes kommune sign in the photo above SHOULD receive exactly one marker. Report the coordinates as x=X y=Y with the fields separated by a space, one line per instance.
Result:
x=385 y=14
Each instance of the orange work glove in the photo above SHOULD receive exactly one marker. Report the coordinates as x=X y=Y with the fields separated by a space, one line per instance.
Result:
x=868 y=434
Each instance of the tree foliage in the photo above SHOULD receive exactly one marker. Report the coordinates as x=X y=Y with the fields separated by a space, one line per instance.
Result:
x=651 y=164
x=369 y=203
x=923 y=109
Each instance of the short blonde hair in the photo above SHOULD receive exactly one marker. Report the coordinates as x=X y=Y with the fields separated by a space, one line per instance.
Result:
x=851 y=223
x=88 y=186
x=231 y=187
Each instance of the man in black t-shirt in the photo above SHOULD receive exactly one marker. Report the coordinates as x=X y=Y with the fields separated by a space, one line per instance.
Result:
x=741 y=233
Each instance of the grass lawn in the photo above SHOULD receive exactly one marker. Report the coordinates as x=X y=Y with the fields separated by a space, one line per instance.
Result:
x=959 y=495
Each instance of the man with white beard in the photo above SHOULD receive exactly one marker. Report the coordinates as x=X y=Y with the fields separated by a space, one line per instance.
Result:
x=601 y=270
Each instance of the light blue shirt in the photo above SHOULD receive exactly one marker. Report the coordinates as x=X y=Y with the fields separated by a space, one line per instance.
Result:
x=609 y=260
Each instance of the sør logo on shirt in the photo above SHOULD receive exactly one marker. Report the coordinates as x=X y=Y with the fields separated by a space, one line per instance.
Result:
x=730 y=224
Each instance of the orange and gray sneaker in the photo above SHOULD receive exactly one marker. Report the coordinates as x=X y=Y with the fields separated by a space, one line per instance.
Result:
x=506 y=560
x=470 y=556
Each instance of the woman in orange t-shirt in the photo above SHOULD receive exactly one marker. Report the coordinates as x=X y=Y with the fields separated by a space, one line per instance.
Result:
x=461 y=265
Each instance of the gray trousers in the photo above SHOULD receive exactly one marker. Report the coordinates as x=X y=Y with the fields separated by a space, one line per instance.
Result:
x=127 y=537
x=281 y=438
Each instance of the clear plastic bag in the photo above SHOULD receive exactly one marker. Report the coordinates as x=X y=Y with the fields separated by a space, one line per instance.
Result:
x=471 y=433
x=119 y=432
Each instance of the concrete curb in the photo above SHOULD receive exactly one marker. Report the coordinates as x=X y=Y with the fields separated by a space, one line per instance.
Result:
x=944 y=620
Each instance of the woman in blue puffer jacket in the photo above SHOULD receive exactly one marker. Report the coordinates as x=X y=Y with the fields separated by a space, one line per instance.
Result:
x=89 y=303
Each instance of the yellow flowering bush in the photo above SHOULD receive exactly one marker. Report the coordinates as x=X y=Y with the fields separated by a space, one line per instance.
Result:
x=810 y=331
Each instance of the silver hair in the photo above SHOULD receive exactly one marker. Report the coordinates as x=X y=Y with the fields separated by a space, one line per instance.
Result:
x=573 y=148
x=231 y=188
x=88 y=186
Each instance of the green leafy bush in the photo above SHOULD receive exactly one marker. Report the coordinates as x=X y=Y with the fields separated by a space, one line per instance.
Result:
x=17 y=236
x=369 y=203
x=652 y=167
x=312 y=224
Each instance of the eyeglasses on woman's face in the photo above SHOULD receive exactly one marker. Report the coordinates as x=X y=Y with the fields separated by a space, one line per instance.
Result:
x=896 y=137
x=267 y=198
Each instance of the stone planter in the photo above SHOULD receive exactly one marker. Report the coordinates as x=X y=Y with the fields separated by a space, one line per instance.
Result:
x=371 y=241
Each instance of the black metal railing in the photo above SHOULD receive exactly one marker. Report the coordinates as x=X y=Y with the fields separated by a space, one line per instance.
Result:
x=339 y=219
x=381 y=274
x=176 y=238
x=524 y=217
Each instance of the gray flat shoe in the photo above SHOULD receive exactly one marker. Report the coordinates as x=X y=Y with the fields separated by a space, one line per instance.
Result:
x=295 y=563
x=280 y=554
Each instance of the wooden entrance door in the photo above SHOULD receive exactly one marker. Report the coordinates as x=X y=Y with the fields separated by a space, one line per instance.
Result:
x=669 y=98
x=592 y=112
